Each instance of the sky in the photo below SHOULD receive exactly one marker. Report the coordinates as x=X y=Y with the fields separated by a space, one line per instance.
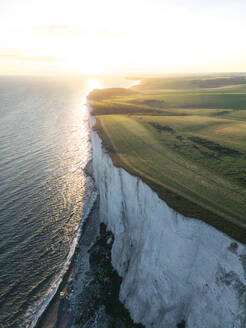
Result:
x=129 y=37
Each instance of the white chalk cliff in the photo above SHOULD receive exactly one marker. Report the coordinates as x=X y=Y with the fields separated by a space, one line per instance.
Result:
x=173 y=268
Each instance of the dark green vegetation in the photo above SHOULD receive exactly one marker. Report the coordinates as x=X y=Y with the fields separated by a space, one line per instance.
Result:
x=189 y=145
x=100 y=298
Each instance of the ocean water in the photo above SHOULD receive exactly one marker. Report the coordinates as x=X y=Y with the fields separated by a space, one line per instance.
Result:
x=44 y=192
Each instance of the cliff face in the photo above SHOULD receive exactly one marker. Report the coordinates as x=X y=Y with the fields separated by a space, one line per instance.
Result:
x=175 y=270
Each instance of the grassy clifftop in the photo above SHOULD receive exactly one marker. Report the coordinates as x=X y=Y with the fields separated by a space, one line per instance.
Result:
x=188 y=145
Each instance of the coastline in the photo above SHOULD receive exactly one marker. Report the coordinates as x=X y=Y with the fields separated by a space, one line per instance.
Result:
x=89 y=293
x=58 y=313
x=61 y=310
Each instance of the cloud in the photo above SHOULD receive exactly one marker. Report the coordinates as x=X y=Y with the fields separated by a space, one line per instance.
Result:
x=26 y=56
x=71 y=30
x=60 y=29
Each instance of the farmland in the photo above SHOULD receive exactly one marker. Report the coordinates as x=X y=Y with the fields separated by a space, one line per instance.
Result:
x=188 y=143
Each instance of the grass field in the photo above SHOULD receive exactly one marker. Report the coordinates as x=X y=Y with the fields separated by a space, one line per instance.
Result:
x=188 y=145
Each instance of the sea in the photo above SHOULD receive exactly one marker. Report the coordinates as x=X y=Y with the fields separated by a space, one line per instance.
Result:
x=45 y=193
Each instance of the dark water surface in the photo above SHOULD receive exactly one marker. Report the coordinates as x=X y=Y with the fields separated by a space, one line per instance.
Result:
x=44 y=192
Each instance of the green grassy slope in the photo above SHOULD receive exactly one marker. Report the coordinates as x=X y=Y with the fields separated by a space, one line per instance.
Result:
x=190 y=82
x=193 y=156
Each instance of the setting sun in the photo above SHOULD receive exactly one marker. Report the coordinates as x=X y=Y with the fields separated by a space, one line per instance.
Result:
x=95 y=37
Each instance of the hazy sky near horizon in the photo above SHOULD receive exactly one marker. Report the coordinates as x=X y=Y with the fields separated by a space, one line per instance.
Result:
x=122 y=37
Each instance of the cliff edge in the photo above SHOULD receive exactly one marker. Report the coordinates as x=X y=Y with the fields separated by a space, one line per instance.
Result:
x=176 y=271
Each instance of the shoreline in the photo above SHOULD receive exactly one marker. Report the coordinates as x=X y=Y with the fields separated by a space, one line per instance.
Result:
x=49 y=317
x=61 y=310
x=57 y=314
